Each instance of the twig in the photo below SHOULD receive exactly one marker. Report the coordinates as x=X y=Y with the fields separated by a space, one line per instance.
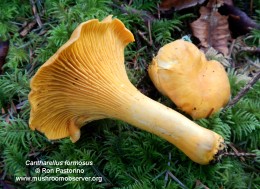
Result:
x=250 y=49
x=158 y=9
x=243 y=91
x=169 y=173
x=146 y=16
x=144 y=37
x=251 y=7
x=252 y=63
x=237 y=154
x=199 y=184
x=231 y=48
x=27 y=28
x=236 y=151
x=138 y=41
x=35 y=12
x=150 y=33
x=176 y=179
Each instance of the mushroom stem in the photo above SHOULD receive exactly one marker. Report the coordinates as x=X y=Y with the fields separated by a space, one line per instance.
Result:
x=198 y=143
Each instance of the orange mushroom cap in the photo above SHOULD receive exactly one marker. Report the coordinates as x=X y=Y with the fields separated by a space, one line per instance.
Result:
x=61 y=99
x=181 y=72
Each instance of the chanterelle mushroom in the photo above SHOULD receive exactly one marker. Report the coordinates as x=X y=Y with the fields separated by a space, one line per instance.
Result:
x=85 y=80
x=197 y=86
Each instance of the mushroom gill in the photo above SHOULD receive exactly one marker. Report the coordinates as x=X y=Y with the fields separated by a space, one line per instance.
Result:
x=76 y=84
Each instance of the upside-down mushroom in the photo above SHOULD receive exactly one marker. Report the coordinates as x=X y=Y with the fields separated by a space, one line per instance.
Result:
x=181 y=72
x=86 y=80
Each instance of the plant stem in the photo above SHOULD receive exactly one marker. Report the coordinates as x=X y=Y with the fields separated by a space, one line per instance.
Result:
x=243 y=91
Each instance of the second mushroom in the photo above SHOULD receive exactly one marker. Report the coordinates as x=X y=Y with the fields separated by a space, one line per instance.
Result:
x=197 y=86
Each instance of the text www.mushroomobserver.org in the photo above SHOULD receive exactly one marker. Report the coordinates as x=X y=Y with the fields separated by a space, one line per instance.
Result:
x=56 y=168
x=59 y=179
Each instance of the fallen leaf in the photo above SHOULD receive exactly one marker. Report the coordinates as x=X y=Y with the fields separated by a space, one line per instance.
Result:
x=4 y=47
x=211 y=28
x=178 y=5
